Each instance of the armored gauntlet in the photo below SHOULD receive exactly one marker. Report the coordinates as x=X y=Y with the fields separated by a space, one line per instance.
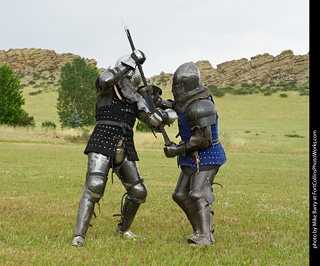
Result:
x=201 y=139
x=162 y=117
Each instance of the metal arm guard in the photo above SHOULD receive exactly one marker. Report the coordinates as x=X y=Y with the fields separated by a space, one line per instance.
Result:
x=123 y=65
x=164 y=104
x=110 y=76
x=201 y=113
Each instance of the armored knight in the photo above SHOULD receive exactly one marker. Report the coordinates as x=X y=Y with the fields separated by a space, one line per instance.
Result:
x=200 y=153
x=111 y=143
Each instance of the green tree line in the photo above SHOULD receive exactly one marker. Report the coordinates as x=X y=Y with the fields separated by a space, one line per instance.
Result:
x=11 y=100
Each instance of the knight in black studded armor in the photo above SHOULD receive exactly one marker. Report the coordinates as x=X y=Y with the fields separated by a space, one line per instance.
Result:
x=111 y=143
x=200 y=153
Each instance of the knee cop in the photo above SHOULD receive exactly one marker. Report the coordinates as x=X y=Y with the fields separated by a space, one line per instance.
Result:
x=98 y=168
x=95 y=186
x=180 y=197
x=202 y=188
x=137 y=192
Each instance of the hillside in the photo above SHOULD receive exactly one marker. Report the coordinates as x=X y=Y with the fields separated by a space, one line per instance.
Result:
x=39 y=72
x=40 y=66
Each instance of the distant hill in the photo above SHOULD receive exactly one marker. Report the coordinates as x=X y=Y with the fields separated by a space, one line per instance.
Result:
x=40 y=66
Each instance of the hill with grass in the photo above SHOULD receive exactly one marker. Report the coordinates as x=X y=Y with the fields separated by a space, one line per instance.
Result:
x=39 y=73
x=41 y=66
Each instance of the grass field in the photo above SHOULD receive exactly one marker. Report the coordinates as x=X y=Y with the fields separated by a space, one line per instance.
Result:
x=261 y=214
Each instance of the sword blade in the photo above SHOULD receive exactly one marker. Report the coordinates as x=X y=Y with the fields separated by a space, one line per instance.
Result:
x=146 y=94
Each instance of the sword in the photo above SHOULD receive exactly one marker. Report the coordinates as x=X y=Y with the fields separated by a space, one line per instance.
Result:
x=145 y=92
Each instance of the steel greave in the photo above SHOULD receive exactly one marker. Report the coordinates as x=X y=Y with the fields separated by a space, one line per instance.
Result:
x=130 y=210
x=204 y=213
x=85 y=212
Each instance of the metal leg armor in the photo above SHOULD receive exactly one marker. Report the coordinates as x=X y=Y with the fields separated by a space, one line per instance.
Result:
x=204 y=213
x=85 y=212
x=96 y=179
x=202 y=198
x=136 y=194
x=129 y=211
x=180 y=196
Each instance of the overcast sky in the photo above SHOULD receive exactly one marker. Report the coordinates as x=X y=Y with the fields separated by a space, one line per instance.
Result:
x=169 y=32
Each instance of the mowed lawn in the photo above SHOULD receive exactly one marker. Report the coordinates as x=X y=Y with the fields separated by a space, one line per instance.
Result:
x=261 y=213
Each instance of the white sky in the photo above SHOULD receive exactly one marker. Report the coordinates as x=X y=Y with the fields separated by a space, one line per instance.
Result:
x=169 y=32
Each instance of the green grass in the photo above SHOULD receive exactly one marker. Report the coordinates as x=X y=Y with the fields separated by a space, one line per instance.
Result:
x=261 y=214
x=41 y=106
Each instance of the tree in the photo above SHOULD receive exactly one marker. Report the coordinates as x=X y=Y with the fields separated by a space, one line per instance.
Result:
x=77 y=91
x=74 y=120
x=11 y=98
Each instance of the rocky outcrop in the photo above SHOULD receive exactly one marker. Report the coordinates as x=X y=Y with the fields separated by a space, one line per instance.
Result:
x=41 y=59
x=164 y=80
x=30 y=62
x=285 y=67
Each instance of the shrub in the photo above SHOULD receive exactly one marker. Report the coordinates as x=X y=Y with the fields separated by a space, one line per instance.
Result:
x=26 y=121
x=48 y=124
x=83 y=138
x=228 y=89
x=266 y=88
x=33 y=93
x=245 y=85
x=215 y=91
x=142 y=127
x=294 y=136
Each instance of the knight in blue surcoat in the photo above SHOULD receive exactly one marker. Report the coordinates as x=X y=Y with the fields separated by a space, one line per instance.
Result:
x=200 y=153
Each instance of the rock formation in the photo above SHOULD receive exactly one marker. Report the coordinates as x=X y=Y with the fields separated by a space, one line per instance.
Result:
x=30 y=62
x=286 y=67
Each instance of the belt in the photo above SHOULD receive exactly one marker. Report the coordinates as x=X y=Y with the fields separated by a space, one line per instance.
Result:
x=215 y=141
x=123 y=125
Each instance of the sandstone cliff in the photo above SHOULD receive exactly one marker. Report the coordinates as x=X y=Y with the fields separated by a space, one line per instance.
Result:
x=285 y=67
x=28 y=63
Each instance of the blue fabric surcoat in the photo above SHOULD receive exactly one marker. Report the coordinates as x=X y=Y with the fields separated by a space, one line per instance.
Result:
x=213 y=155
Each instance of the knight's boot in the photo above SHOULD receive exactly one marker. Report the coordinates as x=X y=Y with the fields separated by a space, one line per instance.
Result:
x=204 y=213
x=129 y=211
x=85 y=212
